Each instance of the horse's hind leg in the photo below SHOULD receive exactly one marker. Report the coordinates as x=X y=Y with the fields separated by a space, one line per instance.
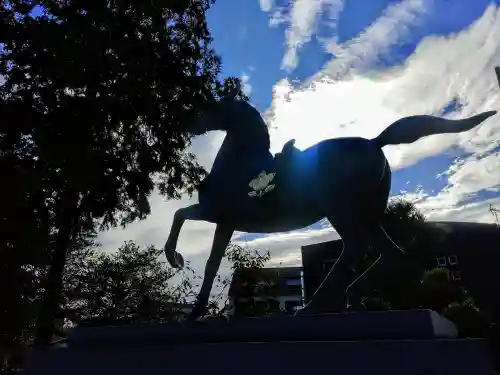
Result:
x=332 y=292
x=390 y=255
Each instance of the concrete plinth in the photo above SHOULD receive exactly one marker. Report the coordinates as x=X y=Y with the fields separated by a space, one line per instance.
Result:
x=395 y=342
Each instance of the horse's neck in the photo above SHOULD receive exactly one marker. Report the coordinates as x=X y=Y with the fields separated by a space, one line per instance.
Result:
x=238 y=148
x=224 y=153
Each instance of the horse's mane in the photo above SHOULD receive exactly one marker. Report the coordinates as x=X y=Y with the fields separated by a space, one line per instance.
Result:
x=250 y=123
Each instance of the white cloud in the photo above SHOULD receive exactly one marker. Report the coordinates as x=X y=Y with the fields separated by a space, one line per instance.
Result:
x=302 y=18
x=245 y=81
x=478 y=212
x=363 y=106
x=392 y=27
x=306 y=18
x=285 y=247
x=266 y=5
x=466 y=179
x=303 y=24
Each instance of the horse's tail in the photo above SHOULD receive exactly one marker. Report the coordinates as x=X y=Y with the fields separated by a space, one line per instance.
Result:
x=411 y=129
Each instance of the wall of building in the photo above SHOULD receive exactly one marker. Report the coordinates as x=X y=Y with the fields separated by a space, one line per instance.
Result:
x=471 y=251
x=317 y=260
x=278 y=288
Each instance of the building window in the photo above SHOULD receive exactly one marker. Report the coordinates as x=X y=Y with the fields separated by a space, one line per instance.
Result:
x=456 y=275
x=441 y=262
x=453 y=260
x=328 y=263
x=294 y=282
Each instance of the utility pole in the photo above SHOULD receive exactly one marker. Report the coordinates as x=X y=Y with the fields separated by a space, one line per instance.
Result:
x=495 y=212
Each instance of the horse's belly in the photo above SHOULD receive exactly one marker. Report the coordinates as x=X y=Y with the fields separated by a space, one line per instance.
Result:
x=279 y=216
x=234 y=203
x=274 y=225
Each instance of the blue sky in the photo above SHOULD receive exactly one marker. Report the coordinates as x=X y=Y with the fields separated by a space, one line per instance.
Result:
x=371 y=63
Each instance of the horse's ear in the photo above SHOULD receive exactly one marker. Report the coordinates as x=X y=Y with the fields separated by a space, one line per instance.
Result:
x=289 y=145
x=231 y=95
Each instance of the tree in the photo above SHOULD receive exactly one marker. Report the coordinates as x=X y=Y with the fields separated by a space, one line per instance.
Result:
x=93 y=104
x=246 y=264
x=406 y=226
x=246 y=258
x=24 y=231
x=134 y=285
x=131 y=286
x=22 y=294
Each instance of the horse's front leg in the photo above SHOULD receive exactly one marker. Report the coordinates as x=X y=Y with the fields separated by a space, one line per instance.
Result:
x=193 y=212
x=222 y=236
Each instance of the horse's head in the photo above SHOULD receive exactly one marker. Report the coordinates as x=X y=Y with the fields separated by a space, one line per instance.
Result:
x=228 y=115
x=245 y=128
x=206 y=120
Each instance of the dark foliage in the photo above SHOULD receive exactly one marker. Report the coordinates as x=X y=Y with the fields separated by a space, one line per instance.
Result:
x=131 y=286
x=94 y=97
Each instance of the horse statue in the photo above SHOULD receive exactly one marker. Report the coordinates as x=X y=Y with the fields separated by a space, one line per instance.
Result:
x=346 y=180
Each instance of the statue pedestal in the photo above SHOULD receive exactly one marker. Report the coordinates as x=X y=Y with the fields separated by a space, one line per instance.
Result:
x=395 y=342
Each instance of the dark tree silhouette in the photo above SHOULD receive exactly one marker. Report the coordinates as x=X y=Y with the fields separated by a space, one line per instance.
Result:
x=93 y=103
x=132 y=285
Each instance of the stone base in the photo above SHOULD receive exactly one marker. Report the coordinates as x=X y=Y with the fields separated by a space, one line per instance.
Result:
x=414 y=342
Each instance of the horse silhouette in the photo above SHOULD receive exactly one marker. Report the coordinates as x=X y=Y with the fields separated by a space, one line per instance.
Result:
x=346 y=180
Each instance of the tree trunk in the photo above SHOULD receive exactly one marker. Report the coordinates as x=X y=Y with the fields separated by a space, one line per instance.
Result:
x=68 y=216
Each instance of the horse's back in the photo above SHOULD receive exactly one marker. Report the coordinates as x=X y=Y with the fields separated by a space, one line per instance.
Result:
x=333 y=164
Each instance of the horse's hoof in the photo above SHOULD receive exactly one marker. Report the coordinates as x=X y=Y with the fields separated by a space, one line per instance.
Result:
x=354 y=305
x=178 y=260
x=174 y=258
x=306 y=310
x=194 y=318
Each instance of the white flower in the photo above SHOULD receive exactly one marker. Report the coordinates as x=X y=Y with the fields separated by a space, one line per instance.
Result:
x=261 y=184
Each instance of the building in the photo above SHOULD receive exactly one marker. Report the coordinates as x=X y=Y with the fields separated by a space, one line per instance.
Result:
x=471 y=251
x=317 y=260
x=265 y=291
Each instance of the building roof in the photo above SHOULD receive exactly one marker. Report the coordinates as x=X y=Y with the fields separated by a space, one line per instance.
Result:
x=457 y=229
